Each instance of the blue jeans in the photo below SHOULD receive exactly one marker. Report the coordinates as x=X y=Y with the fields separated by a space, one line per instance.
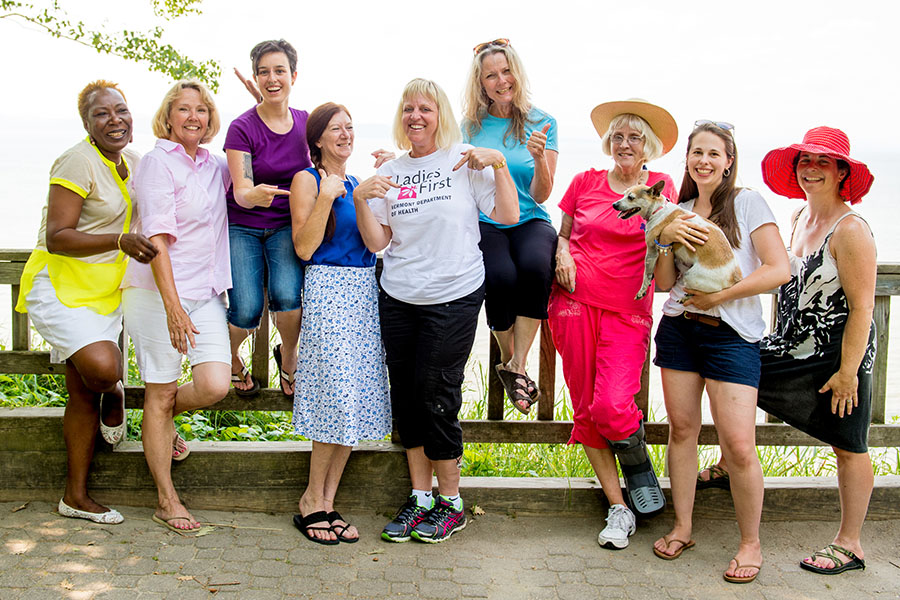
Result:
x=262 y=257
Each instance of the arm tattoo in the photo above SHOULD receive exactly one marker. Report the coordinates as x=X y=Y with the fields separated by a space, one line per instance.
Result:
x=248 y=167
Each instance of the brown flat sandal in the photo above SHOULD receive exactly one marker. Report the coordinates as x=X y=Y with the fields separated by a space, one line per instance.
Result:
x=684 y=546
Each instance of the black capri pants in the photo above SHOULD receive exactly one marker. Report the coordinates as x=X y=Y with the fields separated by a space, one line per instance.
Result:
x=518 y=271
x=427 y=347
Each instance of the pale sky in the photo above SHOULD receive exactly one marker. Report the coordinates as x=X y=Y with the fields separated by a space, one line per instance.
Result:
x=774 y=69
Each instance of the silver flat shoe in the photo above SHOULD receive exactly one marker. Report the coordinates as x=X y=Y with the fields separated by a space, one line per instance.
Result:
x=114 y=435
x=110 y=517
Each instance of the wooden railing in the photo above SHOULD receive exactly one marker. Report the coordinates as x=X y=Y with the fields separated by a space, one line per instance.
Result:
x=22 y=360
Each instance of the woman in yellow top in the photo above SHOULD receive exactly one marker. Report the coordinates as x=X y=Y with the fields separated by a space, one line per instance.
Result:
x=70 y=285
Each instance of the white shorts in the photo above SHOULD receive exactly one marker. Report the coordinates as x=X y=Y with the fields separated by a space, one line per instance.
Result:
x=67 y=329
x=145 y=322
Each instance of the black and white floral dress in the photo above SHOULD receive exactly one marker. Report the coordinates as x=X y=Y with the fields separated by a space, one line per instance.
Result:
x=804 y=351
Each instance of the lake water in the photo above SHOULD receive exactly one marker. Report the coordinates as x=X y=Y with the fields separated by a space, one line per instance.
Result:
x=31 y=148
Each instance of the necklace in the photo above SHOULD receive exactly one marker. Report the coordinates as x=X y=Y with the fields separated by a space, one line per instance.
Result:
x=640 y=179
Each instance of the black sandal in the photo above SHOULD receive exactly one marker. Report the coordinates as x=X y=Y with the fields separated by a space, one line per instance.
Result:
x=242 y=378
x=340 y=529
x=535 y=392
x=304 y=524
x=283 y=375
x=510 y=381
x=839 y=565
x=718 y=478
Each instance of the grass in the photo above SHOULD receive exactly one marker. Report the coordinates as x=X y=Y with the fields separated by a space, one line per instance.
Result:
x=479 y=460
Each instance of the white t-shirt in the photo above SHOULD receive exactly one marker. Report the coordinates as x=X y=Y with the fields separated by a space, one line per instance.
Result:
x=433 y=256
x=744 y=315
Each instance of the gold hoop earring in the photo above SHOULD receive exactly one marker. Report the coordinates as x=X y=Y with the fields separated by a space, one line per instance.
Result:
x=726 y=172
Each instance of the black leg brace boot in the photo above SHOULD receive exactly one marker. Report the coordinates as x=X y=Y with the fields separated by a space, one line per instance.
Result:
x=642 y=490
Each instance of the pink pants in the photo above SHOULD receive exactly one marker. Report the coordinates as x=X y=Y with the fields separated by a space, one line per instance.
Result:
x=602 y=353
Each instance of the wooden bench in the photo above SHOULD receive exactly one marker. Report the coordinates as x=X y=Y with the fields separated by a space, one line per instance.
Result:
x=270 y=475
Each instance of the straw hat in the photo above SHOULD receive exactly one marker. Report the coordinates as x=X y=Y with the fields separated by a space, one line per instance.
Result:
x=661 y=122
x=780 y=175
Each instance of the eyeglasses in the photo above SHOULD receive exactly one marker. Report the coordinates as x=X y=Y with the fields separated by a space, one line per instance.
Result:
x=500 y=42
x=633 y=140
x=720 y=124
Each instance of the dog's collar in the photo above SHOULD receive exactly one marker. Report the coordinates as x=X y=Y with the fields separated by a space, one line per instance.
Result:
x=657 y=210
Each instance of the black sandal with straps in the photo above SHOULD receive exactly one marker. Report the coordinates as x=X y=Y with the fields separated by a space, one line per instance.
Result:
x=517 y=392
x=339 y=529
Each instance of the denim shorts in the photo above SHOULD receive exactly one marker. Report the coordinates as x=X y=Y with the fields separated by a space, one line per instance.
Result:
x=713 y=352
x=262 y=258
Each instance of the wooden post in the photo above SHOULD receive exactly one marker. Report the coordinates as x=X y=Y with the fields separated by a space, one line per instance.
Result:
x=882 y=317
x=547 y=374
x=21 y=340
x=495 y=387
x=260 y=358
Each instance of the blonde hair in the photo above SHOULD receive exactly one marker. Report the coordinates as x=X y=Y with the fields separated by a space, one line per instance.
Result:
x=653 y=147
x=160 y=122
x=447 y=130
x=86 y=95
x=476 y=102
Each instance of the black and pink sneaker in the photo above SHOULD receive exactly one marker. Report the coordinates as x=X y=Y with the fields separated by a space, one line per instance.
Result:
x=440 y=523
x=408 y=517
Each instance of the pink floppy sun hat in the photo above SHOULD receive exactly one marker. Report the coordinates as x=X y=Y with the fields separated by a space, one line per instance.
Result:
x=780 y=174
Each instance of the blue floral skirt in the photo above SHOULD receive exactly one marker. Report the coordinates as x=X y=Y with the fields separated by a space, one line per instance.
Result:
x=341 y=392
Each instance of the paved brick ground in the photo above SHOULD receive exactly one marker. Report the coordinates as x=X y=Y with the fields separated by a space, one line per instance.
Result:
x=43 y=555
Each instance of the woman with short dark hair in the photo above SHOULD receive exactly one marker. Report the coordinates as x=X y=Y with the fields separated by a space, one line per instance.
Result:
x=265 y=147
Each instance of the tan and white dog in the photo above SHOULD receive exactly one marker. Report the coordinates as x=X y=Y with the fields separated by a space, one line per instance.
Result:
x=713 y=267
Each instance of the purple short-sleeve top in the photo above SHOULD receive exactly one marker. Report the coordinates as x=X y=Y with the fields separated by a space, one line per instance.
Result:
x=276 y=158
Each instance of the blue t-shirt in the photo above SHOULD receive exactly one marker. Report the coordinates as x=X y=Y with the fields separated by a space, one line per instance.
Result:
x=518 y=159
x=346 y=247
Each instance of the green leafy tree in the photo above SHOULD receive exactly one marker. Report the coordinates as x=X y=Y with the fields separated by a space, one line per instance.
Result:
x=139 y=46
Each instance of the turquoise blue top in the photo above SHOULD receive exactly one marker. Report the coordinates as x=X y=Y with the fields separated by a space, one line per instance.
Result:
x=518 y=159
x=346 y=247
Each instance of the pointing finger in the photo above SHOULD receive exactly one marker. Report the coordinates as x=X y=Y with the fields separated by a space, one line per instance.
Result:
x=462 y=161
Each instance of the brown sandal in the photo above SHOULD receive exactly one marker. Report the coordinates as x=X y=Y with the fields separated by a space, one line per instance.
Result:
x=669 y=541
x=517 y=392
x=735 y=578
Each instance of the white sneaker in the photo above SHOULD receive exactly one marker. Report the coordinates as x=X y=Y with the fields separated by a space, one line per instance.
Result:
x=619 y=525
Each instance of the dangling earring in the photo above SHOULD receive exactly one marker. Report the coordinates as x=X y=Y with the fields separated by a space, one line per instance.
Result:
x=726 y=172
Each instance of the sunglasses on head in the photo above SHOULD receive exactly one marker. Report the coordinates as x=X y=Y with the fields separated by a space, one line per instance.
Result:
x=720 y=124
x=500 y=42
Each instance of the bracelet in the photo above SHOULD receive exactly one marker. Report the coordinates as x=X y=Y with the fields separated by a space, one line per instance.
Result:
x=499 y=165
x=119 y=240
x=664 y=249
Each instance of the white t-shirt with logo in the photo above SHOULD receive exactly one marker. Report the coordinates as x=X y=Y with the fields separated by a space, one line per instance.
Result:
x=433 y=256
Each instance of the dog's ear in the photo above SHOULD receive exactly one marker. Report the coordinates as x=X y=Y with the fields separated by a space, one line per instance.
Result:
x=657 y=188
